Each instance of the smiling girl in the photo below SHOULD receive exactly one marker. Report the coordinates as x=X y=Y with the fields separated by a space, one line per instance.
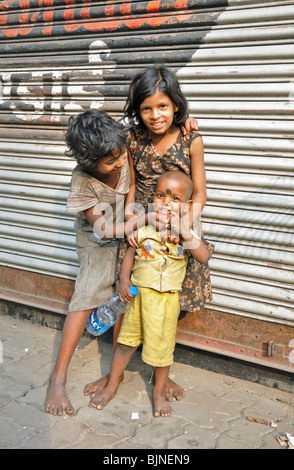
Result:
x=157 y=109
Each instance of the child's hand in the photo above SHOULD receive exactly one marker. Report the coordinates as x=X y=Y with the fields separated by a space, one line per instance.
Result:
x=159 y=220
x=179 y=226
x=132 y=239
x=124 y=291
x=190 y=125
x=175 y=228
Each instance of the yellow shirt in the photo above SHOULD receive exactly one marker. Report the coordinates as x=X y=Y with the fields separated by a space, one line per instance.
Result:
x=158 y=266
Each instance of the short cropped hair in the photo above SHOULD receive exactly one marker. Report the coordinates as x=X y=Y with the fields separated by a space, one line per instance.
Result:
x=92 y=136
x=180 y=176
x=145 y=84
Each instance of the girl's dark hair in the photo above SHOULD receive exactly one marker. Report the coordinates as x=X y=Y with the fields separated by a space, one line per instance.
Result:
x=93 y=135
x=145 y=84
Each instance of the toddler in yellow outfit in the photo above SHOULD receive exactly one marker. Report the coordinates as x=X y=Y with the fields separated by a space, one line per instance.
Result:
x=158 y=272
x=158 y=269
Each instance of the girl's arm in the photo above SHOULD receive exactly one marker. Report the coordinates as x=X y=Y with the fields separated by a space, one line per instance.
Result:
x=198 y=177
x=125 y=275
x=198 y=172
x=107 y=231
x=199 y=186
x=130 y=199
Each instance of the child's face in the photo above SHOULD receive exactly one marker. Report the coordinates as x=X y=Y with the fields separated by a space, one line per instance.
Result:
x=157 y=113
x=169 y=195
x=112 y=164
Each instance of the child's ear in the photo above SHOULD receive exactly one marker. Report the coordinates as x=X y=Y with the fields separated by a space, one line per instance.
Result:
x=187 y=206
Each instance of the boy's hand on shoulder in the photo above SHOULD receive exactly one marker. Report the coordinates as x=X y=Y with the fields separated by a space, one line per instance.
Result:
x=190 y=125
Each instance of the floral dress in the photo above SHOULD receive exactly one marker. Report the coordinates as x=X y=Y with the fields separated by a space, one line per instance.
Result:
x=149 y=165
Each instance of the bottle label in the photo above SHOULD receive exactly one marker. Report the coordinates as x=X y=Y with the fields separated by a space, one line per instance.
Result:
x=96 y=325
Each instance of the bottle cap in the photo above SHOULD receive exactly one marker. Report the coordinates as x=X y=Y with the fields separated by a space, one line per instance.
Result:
x=134 y=291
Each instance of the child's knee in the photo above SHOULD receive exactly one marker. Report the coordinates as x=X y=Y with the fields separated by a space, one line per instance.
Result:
x=126 y=350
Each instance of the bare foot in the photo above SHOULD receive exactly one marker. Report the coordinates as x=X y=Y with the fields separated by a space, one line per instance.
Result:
x=57 y=401
x=100 y=399
x=94 y=387
x=173 y=390
x=160 y=406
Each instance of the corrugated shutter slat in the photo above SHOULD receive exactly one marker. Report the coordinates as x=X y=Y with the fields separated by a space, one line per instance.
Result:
x=235 y=62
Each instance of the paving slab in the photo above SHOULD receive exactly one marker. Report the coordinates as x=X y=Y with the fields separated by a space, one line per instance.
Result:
x=217 y=411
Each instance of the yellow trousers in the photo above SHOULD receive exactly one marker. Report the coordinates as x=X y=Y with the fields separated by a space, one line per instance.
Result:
x=151 y=318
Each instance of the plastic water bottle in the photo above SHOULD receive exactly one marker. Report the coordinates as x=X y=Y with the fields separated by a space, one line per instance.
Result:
x=105 y=316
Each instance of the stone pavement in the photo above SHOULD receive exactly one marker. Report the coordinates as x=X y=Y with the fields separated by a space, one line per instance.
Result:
x=213 y=414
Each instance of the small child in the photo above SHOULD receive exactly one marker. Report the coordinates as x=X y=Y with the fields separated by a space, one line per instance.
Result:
x=158 y=269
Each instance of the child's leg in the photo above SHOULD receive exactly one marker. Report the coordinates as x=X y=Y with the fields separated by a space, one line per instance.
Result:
x=120 y=361
x=96 y=386
x=56 y=400
x=161 y=407
x=172 y=390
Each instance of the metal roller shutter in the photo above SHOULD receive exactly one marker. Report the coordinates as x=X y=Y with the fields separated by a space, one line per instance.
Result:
x=235 y=62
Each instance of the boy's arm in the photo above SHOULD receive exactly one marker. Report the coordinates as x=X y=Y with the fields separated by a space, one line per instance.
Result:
x=195 y=246
x=125 y=275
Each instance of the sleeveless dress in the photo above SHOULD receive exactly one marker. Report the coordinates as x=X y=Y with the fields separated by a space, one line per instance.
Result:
x=149 y=165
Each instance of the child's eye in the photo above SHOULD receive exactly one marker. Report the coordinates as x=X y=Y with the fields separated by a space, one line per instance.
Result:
x=109 y=160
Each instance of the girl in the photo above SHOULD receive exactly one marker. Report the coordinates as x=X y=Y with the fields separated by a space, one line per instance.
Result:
x=157 y=109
